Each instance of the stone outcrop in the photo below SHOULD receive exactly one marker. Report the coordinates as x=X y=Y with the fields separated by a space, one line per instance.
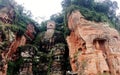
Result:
x=19 y=41
x=94 y=48
x=9 y=51
x=11 y=38
x=14 y=40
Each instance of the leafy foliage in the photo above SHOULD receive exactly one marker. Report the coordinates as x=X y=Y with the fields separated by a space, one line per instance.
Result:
x=95 y=11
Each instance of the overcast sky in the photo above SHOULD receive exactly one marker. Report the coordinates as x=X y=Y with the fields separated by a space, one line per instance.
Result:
x=43 y=9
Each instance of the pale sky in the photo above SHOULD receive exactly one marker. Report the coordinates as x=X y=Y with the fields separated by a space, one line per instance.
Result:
x=43 y=9
x=118 y=1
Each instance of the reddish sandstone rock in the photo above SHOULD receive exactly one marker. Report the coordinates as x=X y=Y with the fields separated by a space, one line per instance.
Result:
x=93 y=47
x=19 y=41
x=30 y=30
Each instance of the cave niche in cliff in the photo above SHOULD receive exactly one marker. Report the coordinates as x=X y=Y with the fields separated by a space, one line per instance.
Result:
x=99 y=44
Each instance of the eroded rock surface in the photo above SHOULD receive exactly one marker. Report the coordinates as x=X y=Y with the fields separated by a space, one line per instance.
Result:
x=94 y=48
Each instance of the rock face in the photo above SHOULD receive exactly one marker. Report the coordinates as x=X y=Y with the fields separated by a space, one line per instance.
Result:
x=12 y=41
x=11 y=38
x=9 y=52
x=19 y=41
x=94 y=48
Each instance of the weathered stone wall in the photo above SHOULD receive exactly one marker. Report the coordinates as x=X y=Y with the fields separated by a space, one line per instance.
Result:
x=94 y=48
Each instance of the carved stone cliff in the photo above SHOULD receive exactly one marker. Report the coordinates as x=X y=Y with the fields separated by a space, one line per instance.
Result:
x=94 y=48
x=10 y=40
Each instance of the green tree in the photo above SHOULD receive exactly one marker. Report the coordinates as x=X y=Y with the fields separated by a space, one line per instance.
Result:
x=95 y=11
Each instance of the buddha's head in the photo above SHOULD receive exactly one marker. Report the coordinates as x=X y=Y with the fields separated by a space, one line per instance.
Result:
x=50 y=25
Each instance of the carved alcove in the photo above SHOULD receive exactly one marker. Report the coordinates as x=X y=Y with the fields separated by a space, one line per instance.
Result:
x=100 y=44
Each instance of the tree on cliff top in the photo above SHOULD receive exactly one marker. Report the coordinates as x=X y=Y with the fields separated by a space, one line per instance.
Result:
x=95 y=11
x=107 y=6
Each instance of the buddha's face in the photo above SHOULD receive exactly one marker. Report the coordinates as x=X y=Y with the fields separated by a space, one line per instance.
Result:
x=51 y=25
